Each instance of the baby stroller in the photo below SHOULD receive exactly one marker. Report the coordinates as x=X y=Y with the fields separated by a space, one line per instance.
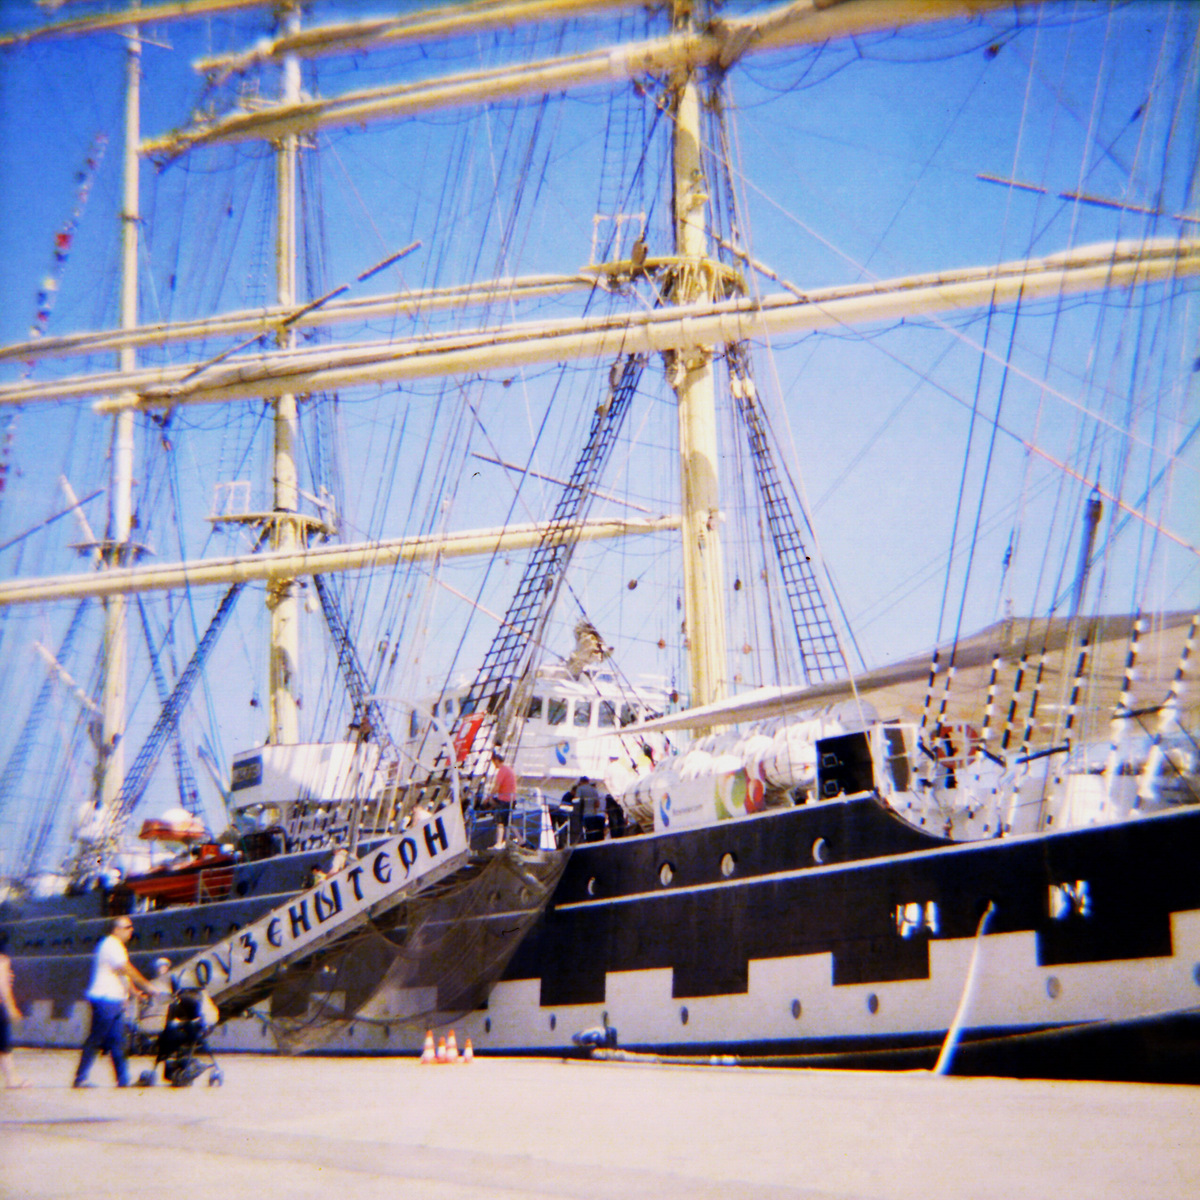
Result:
x=181 y=1048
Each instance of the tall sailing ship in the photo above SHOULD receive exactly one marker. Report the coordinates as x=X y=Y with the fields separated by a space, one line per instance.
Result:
x=483 y=343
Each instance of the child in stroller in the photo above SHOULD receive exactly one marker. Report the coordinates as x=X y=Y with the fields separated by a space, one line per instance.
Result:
x=181 y=1047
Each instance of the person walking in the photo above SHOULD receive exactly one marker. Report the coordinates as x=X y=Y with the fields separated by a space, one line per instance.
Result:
x=9 y=1012
x=112 y=977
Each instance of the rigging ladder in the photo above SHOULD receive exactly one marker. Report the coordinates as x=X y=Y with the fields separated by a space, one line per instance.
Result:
x=368 y=714
x=820 y=653
x=496 y=699
x=189 y=789
x=138 y=776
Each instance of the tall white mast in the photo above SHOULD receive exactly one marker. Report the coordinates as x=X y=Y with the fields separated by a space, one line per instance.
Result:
x=287 y=533
x=692 y=378
x=117 y=548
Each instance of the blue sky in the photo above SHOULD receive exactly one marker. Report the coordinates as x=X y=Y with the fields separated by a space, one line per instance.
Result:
x=855 y=161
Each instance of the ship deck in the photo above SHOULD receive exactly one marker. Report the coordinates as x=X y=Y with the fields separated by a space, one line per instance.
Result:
x=367 y=1127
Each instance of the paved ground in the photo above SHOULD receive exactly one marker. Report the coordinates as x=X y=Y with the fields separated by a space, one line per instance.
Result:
x=499 y=1128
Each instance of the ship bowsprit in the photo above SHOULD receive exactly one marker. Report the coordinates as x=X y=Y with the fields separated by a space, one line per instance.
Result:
x=306 y=926
x=427 y=960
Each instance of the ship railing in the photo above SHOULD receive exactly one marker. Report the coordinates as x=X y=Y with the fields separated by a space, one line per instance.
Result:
x=532 y=819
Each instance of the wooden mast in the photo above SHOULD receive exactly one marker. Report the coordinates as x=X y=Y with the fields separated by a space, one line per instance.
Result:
x=117 y=550
x=690 y=373
x=287 y=534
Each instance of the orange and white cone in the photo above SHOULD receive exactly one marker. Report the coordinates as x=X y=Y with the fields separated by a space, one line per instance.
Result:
x=468 y=1054
x=451 y=1048
x=441 y=1050
x=429 y=1054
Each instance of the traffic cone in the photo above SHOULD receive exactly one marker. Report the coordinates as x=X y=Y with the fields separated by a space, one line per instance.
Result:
x=468 y=1054
x=451 y=1048
x=546 y=840
x=441 y=1050
x=428 y=1055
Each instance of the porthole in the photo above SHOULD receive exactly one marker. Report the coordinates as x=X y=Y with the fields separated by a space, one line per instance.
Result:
x=797 y=1009
x=591 y=886
x=487 y=1024
x=666 y=873
x=872 y=1004
x=1053 y=987
x=728 y=865
x=1196 y=974
x=553 y=1022
x=683 y=1015
x=820 y=851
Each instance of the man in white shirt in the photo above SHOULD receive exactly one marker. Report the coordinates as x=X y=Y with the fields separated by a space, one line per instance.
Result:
x=112 y=976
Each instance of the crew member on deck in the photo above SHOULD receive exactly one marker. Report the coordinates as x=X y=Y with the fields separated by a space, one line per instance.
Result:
x=504 y=792
x=588 y=795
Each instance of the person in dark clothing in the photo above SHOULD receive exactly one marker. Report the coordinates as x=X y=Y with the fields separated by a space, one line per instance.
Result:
x=616 y=817
x=594 y=821
x=572 y=808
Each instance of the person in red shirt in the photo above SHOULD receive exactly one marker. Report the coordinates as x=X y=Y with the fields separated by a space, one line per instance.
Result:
x=504 y=792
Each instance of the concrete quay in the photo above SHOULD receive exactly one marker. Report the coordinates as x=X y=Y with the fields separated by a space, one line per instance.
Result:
x=538 y=1129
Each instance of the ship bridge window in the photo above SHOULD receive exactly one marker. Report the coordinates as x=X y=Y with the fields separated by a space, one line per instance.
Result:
x=414 y=723
x=466 y=707
x=448 y=707
x=535 y=708
x=629 y=714
x=556 y=710
x=607 y=715
x=583 y=714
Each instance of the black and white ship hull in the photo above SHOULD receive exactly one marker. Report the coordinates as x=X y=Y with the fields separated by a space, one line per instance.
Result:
x=733 y=940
